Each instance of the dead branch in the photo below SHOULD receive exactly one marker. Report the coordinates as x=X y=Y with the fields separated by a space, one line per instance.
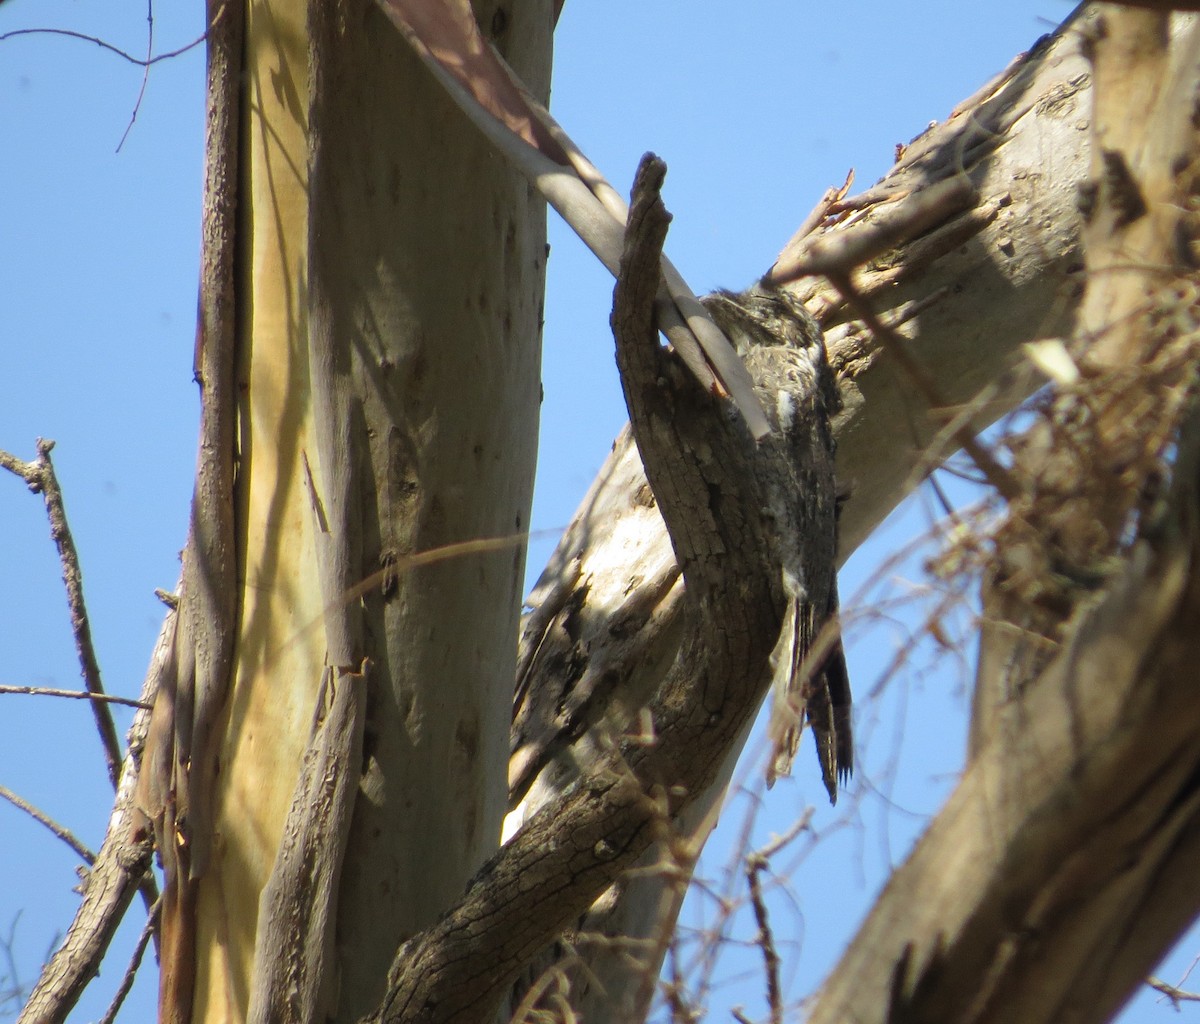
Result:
x=1058 y=872
x=1176 y=995
x=120 y=868
x=50 y=691
x=135 y=961
x=175 y=790
x=563 y=857
x=962 y=297
x=63 y=833
x=40 y=477
x=756 y=864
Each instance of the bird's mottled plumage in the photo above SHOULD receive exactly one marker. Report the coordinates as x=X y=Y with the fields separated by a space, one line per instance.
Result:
x=784 y=352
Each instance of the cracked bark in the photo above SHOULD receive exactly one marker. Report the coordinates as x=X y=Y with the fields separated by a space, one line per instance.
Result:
x=607 y=614
x=1057 y=874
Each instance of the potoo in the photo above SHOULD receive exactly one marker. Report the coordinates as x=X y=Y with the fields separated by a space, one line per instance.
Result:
x=784 y=352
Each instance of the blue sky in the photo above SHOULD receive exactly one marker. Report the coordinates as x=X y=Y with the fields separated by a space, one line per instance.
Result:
x=756 y=107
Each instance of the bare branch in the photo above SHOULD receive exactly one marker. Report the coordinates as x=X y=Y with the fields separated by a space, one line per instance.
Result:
x=836 y=255
x=121 y=866
x=40 y=477
x=102 y=44
x=183 y=730
x=756 y=864
x=963 y=295
x=49 y=691
x=63 y=833
x=1061 y=867
x=1176 y=995
x=14 y=991
x=137 y=104
x=135 y=961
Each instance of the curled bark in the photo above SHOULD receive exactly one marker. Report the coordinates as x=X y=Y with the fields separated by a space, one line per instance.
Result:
x=175 y=790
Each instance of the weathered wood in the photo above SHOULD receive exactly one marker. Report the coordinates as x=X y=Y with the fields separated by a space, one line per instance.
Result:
x=607 y=613
x=1054 y=878
x=710 y=476
x=121 y=864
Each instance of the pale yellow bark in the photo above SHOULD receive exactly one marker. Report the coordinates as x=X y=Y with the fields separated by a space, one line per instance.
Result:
x=279 y=654
x=430 y=258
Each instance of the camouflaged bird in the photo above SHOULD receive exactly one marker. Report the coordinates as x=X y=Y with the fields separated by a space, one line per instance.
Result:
x=784 y=352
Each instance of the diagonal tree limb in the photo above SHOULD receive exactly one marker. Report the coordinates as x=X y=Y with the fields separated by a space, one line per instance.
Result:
x=963 y=295
x=63 y=833
x=1092 y=772
x=122 y=863
x=962 y=298
x=39 y=475
x=1057 y=874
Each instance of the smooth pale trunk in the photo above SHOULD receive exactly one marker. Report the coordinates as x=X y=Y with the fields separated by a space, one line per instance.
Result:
x=434 y=260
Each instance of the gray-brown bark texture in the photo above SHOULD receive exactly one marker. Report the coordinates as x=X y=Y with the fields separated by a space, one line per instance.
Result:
x=385 y=337
x=1054 y=875
x=1063 y=865
x=965 y=281
x=711 y=479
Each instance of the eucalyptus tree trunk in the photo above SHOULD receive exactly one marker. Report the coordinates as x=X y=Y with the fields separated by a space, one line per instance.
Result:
x=386 y=288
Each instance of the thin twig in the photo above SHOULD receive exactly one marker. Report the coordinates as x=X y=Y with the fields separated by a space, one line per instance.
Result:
x=61 y=831
x=755 y=865
x=102 y=44
x=14 y=991
x=816 y=216
x=40 y=477
x=135 y=962
x=1176 y=995
x=48 y=691
x=801 y=825
x=999 y=477
x=400 y=564
x=137 y=105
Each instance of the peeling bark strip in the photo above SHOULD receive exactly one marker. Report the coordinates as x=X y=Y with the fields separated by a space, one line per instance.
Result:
x=446 y=37
x=702 y=458
x=295 y=970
